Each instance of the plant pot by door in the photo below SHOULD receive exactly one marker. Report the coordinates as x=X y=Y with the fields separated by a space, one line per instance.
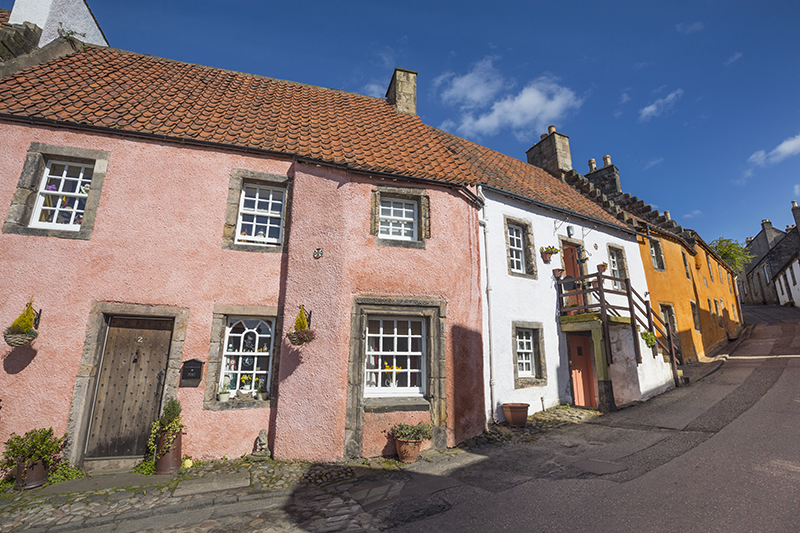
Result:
x=31 y=477
x=516 y=414
x=170 y=461
x=407 y=450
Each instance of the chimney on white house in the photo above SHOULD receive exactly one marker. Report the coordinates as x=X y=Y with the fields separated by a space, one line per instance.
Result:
x=551 y=153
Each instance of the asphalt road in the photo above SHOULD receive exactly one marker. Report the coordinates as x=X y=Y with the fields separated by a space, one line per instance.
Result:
x=722 y=454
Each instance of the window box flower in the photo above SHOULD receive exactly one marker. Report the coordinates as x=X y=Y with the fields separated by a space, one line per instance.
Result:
x=548 y=252
x=302 y=332
x=22 y=331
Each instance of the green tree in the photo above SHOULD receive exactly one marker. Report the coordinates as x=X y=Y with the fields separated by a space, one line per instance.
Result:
x=732 y=252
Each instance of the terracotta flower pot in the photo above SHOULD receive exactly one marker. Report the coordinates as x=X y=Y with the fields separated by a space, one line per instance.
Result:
x=546 y=257
x=170 y=461
x=407 y=450
x=31 y=477
x=602 y=267
x=516 y=414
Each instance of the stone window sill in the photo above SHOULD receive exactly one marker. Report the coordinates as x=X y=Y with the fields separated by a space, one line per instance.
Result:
x=388 y=405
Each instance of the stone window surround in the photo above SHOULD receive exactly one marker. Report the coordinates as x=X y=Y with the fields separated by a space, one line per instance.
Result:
x=686 y=264
x=22 y=205
x=538 y=360
x=216 y=353
x=622 y=262
x=529 y=247
x=423 y=215
x=659 y=253
x=89 y=369
x=433 y=310
x=240 y=177
x=695 y=315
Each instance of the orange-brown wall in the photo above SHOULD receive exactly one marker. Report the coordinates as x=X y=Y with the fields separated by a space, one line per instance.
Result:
x=672 y=286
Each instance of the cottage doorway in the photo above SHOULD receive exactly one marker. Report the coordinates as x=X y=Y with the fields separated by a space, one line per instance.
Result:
x=580 y=358
x=572 y=269
x=129 y=386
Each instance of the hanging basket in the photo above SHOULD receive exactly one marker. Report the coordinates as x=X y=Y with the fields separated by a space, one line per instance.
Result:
x=15 y=340
x=301 y=336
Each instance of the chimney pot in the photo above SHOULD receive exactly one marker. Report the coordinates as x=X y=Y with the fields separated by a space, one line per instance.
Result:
x=667 y=215
x=551 y=129
x=542 y=136
x=606 y=160
x=592 y=165
x=794 y=203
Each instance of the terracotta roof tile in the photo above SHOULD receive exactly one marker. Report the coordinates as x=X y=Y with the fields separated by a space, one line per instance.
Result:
x=4 y=16
x=138 y=93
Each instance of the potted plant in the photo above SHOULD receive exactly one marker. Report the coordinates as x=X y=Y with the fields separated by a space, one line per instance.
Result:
x=164 y=444
x=548 y=252
x=649 y=339
x=408 y=439
x=31 y=456
x=23 y=330
x=224 y=394
x=262 y=393
x=516 y=414
x=302 y=332
x=602 y=267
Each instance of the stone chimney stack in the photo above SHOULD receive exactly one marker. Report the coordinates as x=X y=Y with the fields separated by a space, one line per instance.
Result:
x=402 y=91
x=606 y=179
x=766 y=225
x=551 y=153
x=796 y=213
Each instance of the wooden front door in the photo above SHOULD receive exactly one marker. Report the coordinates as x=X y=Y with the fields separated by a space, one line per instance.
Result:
x=580 y=356
x=572 y=269
x=128 y=394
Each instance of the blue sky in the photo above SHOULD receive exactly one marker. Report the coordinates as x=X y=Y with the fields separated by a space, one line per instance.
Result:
x=696 y=102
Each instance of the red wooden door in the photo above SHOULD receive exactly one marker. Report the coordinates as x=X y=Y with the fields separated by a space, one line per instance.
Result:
x=572 y=269
x=128 y=394
x=580 y=355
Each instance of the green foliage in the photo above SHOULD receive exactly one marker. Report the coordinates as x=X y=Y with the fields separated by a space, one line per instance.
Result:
x=420 y=431
x=35 y=445
x=732 y=252
x=64 y=471
x=24 y=323
x=170 y=424
x=649 y=339
x=301 y=322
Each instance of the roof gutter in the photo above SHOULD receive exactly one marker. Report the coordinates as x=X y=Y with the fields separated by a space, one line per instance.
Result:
x=559 y=209
x=237 y=148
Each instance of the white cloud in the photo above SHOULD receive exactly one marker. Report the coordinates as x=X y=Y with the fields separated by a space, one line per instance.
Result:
x=734 y=57
x=685 y=27
x=624 y=98
x=788 y=148
x=540 y=103
x=797 y=190
x=374 y=89
x=654 y=162
x=660 y=106
x=693 y=214
x=476 y=88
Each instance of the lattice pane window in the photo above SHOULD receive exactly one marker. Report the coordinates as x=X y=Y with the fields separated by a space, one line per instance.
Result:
x=261 y=211
x=525 y=359
x=516 y=249
x=395 y=359
x=656 y=255
x=62 y=196
x=248 y=355
x=398 y=220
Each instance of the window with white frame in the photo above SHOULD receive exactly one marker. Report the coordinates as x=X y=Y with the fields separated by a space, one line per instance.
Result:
x=61 y=200
x=719 y=270
x=721 y=313
x=261 y=213
x=730 y=283
x=767 y=277
x=398 y=219
x=526 y=364
x=516 y=249
x=710 y=310
x=616 y=262
x=247 y=358
x=716 y=312
x=656 y=254
x=395 y=358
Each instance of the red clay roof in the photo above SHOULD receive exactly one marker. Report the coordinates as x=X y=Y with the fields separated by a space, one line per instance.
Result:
x=4 y=15
x=145 y=94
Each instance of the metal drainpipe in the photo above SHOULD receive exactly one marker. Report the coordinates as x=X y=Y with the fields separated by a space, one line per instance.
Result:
x=482 y=223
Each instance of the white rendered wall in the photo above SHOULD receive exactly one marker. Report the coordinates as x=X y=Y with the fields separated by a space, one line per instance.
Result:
x=74 y=15
x=516 y=299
